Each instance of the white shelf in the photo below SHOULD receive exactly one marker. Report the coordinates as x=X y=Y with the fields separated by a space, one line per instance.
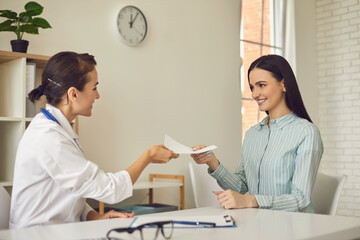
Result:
x=10 y=119
x=13 y=119
x=12 y=79
x=6 y=183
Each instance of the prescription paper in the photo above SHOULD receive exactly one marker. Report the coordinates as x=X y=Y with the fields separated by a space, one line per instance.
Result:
x=179 y=148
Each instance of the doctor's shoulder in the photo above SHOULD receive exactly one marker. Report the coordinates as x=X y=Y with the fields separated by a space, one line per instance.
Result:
x=41 y=130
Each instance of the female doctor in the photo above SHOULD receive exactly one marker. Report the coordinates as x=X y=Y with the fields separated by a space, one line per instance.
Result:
x=52 y=176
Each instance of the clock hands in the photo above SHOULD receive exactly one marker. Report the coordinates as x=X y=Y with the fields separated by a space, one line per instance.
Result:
x=132 y=21
x=135 y=17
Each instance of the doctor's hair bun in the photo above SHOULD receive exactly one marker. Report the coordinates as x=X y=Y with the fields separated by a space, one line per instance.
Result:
x=62 y=71
x=36 y=93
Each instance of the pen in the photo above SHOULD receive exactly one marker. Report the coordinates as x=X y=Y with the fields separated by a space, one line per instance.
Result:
x=206 y=224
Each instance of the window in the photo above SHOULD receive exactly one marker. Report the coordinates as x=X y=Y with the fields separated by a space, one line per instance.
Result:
x=260 y=34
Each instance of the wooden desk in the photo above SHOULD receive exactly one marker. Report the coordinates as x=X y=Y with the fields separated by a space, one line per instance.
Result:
x=251 y=224
x=151 y=184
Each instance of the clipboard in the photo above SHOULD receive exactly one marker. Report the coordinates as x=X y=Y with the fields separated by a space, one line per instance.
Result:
x=217 y=221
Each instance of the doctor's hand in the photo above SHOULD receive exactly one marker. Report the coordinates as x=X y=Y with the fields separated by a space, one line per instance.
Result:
x=160 y=154
x=208 y=158
x=92 y=215
x=231 y=199
x=155 y=154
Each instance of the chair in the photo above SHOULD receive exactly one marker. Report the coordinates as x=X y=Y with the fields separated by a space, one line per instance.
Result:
x=203 y=186
x=326 y=193
x=4 y=208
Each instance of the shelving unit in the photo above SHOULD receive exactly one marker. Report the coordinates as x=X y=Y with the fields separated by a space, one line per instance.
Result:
x=151 y=185
x=13 y=119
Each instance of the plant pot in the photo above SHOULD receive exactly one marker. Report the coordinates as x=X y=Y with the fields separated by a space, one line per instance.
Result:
x=19 y=45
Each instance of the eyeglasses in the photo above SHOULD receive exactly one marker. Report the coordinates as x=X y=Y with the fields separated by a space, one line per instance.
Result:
x=165 y=227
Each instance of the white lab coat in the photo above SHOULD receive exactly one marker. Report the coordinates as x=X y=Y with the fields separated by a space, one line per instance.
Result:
x=52 y=177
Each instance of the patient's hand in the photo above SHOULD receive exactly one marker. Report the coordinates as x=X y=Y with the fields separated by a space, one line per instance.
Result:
x=208 y=158
x=230 y=199
x=92 y=215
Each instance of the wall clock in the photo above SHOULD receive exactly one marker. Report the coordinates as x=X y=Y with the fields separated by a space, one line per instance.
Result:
x=131 y=25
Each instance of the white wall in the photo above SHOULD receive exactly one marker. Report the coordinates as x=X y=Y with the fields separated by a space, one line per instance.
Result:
x=183 y=80
x=305 y=48
x=338 y=49
x=328 y=71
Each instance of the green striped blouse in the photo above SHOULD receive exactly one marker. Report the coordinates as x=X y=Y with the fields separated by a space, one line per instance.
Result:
x=279 y=164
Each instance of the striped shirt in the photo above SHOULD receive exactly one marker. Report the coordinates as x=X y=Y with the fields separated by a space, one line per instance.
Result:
x=279 y=164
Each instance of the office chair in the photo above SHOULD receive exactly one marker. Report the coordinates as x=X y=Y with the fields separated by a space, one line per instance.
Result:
x=4 y=208
x=203 y=185
x=326 y=193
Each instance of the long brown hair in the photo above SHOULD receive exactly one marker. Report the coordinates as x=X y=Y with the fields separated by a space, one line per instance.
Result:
x=281 y=70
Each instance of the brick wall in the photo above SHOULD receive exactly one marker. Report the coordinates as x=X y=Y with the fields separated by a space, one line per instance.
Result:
x=338 y=49
x=251 y=17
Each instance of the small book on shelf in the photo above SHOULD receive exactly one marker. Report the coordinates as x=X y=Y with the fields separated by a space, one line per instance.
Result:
x=30 y=85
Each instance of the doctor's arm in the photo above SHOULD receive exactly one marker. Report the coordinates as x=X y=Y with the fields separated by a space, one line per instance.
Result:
x=93 y=215
x=155 y=154
x=89 y=214
x=71 y=171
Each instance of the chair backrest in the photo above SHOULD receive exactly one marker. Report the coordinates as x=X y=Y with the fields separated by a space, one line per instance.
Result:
x=4 y=208
x=203 y=186
x=326 y=193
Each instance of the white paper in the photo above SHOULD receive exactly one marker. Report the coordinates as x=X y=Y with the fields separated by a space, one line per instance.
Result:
x=30 y=77
x=219 y=220
x=179 y=148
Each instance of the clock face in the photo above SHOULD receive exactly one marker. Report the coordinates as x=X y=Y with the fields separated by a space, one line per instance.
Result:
x=132 y=26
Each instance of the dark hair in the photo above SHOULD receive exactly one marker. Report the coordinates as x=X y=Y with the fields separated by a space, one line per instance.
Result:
x=62 y=71
x=281 y=70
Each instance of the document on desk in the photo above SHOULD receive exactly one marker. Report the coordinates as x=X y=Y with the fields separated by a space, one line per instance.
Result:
x=213 y=221
x=179 y=148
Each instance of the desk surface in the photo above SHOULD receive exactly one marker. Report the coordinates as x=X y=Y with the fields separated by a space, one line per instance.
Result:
x=251 y=224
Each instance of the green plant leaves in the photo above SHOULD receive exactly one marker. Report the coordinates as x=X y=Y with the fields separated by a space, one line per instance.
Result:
x=25 y=21
x=40 y=22
x=24 y=17
x=6 y=26
x=29 y=29
x=8 y=14
x=33 y=8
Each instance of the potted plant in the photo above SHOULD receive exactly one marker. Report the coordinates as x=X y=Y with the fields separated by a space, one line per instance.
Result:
x=23 y=23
